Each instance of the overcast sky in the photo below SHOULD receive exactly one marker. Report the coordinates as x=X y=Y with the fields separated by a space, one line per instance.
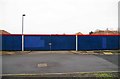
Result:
x=58 y=16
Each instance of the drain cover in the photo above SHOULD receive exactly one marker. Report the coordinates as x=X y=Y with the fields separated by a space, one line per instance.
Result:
x=42 y=65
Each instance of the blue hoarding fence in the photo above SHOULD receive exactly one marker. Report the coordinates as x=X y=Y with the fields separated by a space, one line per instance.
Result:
x=61 y=42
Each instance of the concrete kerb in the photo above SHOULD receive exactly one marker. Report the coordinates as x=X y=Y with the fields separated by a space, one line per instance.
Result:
x=65 y=52
x=94 y=52
x=7 y=52
x=85 y=52
x=57 y=52
x=13 y=52
x=58 y=74
x=49 y=52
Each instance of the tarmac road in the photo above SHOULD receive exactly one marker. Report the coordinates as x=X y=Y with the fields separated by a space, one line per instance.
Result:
x=57 y=63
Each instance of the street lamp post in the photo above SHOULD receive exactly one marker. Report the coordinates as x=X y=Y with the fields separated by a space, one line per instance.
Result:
x=76 y=42
x=23 y=32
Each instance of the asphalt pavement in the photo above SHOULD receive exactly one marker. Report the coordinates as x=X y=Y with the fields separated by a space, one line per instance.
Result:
x=57 y=63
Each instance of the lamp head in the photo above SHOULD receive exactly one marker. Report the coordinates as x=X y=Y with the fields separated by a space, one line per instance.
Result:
x=23 y=15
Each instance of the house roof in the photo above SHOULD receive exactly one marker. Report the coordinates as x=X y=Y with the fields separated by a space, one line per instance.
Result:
x=4 y=32
x=79 y=33
x=105 y=32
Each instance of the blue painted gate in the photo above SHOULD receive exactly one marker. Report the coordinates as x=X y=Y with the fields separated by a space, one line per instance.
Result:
x=49 y=42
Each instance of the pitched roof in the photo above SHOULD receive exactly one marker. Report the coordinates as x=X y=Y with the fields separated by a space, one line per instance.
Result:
x=79 y=33
x=105 y=32
x=4 y=32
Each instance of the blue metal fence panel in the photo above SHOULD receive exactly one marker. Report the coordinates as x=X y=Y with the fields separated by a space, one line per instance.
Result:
x=98 y=43
x=11 y=43
x=113 y=42
x=104 y=42
x=89 y=43
x=36 y=42
x=63 y=42
x=0 y=42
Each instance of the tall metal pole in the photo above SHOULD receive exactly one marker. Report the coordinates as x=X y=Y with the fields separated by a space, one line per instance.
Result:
x=23 y=32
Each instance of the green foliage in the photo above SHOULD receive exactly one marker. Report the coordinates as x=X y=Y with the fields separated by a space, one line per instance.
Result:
x=105 y=76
